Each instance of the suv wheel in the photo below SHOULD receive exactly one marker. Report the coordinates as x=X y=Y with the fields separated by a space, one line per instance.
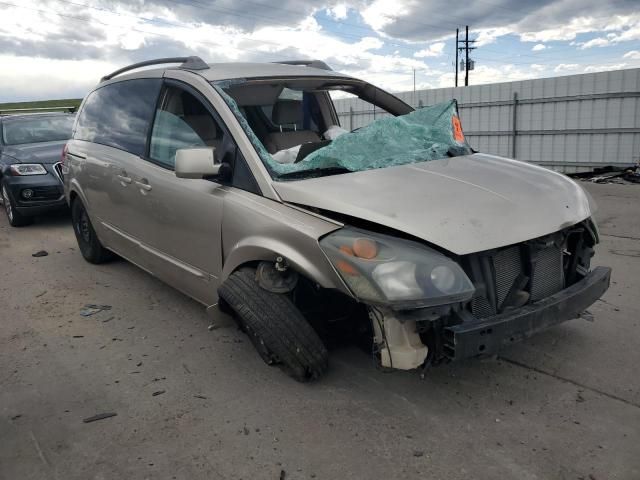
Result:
x=277 y=329
x=90 y=247
x=15 y=218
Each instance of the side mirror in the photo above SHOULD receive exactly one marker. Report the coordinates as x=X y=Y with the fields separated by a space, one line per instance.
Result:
x=199 y=163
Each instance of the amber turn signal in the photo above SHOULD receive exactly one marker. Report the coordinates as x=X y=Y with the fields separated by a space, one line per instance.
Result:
x=365 y=248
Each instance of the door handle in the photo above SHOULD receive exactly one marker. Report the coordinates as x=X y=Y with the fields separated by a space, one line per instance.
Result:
x=124 y=180
x=144 y=186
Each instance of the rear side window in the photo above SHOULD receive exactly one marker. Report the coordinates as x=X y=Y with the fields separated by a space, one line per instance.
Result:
x=118 y=115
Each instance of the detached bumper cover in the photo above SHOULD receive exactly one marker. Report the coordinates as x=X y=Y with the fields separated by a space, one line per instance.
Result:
x=488 y=335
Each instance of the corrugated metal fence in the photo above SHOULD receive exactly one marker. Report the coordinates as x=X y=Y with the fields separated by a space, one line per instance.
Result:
x=571 y=123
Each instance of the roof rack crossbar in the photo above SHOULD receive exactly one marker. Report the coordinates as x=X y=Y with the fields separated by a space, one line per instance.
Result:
x=307 y=63
x=188 y=63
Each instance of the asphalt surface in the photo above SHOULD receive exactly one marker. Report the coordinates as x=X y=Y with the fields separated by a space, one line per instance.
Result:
x=199 y=404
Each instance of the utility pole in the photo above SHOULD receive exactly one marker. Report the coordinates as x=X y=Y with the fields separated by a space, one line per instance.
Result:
x=467 y=63
x=457 y=42
x=466 y=56
x=414 y=86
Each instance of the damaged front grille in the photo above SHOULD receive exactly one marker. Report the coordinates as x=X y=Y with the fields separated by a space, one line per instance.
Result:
x=517 y=274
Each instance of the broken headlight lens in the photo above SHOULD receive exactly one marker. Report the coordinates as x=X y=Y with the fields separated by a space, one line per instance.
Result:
x=27 y=169
x=386 y=270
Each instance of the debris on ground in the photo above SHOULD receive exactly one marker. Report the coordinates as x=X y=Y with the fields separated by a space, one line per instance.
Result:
x=99 y=416
x=418 y=453
x=92 y=309
x=200 y=396
x=41 y=294
x=159 y=392
x=610 y=174
x=40 y=253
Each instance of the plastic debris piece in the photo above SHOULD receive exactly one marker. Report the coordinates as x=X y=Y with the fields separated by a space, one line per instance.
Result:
x=41 y=253
x=92 y=309
x=100 y=416
x=159 y=392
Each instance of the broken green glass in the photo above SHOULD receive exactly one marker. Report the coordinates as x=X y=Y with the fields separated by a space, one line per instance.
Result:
x=429 y=133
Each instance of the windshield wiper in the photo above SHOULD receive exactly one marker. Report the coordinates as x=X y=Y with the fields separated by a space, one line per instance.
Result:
x=314 y=172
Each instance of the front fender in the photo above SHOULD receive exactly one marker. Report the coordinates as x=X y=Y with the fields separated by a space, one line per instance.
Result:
x=256 y=248
x=256 y=229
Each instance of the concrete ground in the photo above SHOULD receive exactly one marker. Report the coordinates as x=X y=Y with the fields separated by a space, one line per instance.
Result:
x=563 y=405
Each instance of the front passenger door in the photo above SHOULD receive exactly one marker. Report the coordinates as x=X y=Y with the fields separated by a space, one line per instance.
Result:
x=179 y=220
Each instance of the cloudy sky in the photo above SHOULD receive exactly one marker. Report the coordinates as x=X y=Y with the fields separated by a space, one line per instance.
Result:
x=60 y=48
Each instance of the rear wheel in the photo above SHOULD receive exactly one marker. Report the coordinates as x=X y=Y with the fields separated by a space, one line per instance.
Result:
x=90 y=247
x=277 y=329
x=15 y=218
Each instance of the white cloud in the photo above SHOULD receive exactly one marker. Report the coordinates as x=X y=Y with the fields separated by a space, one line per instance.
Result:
x=566 y=67
x=490 y=35
x=538 y=46
x=595 y=42
x=536 y=67
x=381 y=13
x=633 y=55
x=338 y=12
x=485 y=74
x=433 y=50
x=603 y=68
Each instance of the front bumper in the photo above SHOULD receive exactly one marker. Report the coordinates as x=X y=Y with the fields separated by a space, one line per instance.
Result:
x=48 y=192
x=488 y=335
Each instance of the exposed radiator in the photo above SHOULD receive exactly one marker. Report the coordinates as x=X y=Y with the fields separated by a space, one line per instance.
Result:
x=548 y=275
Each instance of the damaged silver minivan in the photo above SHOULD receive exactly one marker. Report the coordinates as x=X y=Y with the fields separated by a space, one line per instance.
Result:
x=236 y=184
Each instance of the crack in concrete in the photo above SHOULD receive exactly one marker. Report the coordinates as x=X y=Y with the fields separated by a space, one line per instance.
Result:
x=628 y=237
x=573 y=382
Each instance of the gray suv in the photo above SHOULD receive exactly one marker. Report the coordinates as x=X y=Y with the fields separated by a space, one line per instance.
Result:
x=235 y=184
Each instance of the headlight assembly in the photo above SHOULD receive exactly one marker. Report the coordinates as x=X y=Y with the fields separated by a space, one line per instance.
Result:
x=27 y=169
x=402 y=274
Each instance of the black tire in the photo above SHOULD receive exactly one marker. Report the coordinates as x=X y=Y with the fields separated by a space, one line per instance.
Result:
x=90 y=247
x=276 y=327
x=16 y=219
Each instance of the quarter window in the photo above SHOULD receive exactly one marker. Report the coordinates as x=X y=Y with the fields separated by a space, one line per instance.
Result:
x=182 y=121
x=118 y=115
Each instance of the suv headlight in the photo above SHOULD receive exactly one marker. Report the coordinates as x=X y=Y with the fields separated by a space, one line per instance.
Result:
x=27 y=169
x=402 y=274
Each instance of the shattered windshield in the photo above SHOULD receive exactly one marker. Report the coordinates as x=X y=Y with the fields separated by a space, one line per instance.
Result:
x=294 y=141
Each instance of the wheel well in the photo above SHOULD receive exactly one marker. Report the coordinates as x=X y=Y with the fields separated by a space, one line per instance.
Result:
x=72 y=196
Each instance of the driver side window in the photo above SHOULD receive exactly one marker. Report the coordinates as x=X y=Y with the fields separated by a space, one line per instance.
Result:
x=181 y=121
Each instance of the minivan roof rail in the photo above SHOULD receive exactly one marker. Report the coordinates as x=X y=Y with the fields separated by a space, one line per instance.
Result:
x=188 y=63
x=307 y=63
x=17 y=111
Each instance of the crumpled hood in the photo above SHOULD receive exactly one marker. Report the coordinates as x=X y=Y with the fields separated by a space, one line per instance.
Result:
x=45 y=152
x=462 y=204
